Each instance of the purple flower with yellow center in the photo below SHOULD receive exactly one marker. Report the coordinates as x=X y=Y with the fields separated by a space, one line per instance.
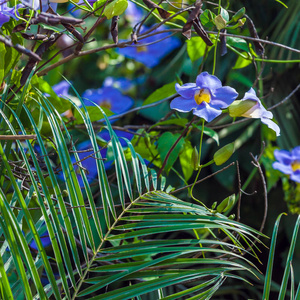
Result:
x=257 y=111
x=206 y=98
x=151 y=54
x=108 y=97
x=288 y=162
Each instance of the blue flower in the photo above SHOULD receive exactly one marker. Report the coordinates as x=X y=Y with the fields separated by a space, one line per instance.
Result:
x=122 y=83
x=8 y=12
x=288 y=162
x=88 y=160
x=205 y=98
x=134 y=13
x=259 y=112
x=62 y=89
x=150 y=55
x=108 y=97
x=45 y=239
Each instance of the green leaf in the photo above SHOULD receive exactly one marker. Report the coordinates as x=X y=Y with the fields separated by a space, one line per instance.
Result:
x=282 y=3
x=237 y=43
x=165 y=91
x=165 y=142
x=60 y=104
x=224 y=14
x=94 y=113
x=180 y=122
x=185 y=160
x=207 y=18
x=242 y=62
x=210 y=132
x=2 y=61
x=196 y=48
x=115 y=8
x=147 y=150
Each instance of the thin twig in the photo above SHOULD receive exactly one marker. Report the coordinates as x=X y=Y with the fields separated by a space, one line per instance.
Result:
x=286 y=98
x=203 y=179
x=238 y=214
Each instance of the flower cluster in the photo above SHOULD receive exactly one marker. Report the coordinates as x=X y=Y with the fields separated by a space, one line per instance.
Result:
x=288 y=162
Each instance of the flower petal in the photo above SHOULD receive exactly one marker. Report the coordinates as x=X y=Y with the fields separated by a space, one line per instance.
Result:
x=211 y=82
x=286 y=169
x=183 y=105
x=187 y=90
x=206 y=112
x=251 y=95
x=283 y=156
x=295 y=176
x=272 y=125
x=296 y=153
x=223 y=97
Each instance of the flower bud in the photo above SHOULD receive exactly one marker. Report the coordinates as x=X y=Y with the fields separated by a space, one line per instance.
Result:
x=241 y=22
x=230 y=203
x=65 y=193
x=223 y=154
x=226 y=204
x=194 y=159
x=231 y=217
x=214 y=205
x=222 y=205
x=240 y=107
x=239 y=14
x=220 y=22
x=147 y=140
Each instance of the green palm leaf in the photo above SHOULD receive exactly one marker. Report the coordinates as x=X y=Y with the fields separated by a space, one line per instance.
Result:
x=125 y=247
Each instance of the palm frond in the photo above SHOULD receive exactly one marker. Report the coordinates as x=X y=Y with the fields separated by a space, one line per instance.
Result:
x=123 y=246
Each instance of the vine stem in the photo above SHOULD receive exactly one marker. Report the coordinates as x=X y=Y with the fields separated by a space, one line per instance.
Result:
x=200 y=167
x=215 y=53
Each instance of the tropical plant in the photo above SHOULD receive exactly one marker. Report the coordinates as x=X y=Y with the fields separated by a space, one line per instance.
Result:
x=123 y=246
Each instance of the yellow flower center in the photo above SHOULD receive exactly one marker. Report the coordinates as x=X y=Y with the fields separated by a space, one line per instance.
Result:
x=106 y=104
x=202 y=95
x=296 y=165
x=142 y=49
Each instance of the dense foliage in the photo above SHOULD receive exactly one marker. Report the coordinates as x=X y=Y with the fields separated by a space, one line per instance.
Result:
x=149 y=150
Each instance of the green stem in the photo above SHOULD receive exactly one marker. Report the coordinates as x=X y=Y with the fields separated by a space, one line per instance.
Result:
x=215 y=53
x=200 y=144
x=200 y=168
x=260 y=82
